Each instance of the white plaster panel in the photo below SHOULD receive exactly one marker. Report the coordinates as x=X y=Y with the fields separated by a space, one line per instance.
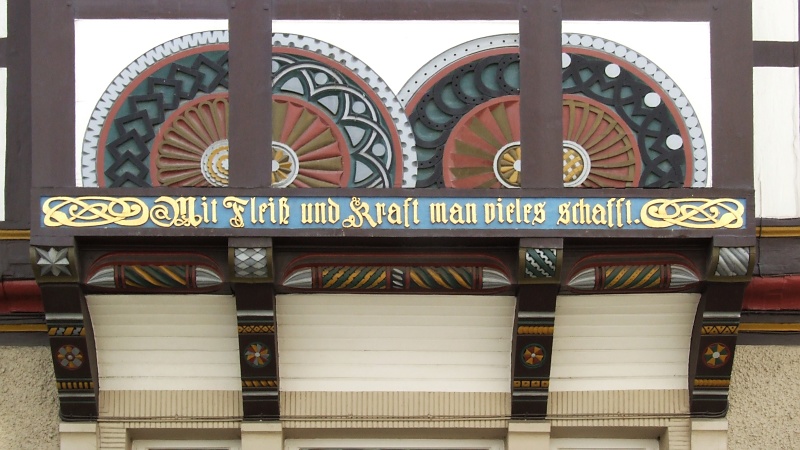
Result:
x=166 y=342
x=408 y=343
x=3 y=18
x=776 y=142
x=622 y=342
x=775 y=20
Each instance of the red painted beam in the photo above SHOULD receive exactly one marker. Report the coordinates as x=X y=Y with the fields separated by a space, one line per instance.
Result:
x=773 y=294
x=17 y=296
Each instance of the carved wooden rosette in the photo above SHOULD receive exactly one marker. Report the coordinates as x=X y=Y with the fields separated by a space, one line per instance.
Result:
x=69 y=331
x=252 y=269
x=534 y=324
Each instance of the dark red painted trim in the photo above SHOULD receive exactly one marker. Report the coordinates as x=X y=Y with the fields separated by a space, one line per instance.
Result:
x=773 y=294
x=20 y=296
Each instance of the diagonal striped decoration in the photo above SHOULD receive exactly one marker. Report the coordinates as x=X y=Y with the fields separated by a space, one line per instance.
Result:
x=442 y=277
x=362 y=278
x=633 y=277
x=418 y=279
x=642 y=273
x=154 y=272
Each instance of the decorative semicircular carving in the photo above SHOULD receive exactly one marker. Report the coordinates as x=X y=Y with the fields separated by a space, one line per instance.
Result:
x=626 y=123
x=164 y=120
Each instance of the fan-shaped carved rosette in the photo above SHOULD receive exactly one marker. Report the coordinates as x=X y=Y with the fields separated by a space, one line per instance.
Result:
x=192 y=145
x=483 y=150
x=594 y=131
x=308 y=149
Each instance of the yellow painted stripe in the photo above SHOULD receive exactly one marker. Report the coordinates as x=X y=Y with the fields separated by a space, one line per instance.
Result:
x=628 y=282
x=459 y=279
x=436 y=277
x=147 y=276
x=616 y=279
x=778 y=231
x=335 y=278
x=378 y=281
x=366 y=278
x=756 y=327
x=165 y=270
x=643 y=283
x=15 y=235
x=349 y=281
x=23 y=328
x=417 y=279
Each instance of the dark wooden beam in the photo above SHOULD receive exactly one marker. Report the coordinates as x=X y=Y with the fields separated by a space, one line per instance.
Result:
x=18 y=122
x=250 y=128
x=150 y=9
x=540 y=93
x=732 y=91
x=397 y=10
x=652 y=10
x=53 y=97
x=638 y=10
x=775 y=54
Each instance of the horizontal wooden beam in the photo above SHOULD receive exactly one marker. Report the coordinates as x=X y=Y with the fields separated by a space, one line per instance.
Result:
x=609 y=10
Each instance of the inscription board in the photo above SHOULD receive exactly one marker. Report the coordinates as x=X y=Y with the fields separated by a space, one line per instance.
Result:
x=392 y=213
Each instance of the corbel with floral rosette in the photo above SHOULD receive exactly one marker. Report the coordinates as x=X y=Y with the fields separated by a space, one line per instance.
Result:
x=55 y=266
x=730 y=268
x=251 y=272
x=539 y=278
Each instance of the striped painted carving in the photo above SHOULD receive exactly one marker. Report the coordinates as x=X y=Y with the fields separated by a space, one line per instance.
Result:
x=395 y=409
x=622 y=342
x=166 y=342
x=406 y=343
x=632 y=277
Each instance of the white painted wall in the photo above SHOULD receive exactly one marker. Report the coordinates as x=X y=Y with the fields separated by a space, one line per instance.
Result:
x=775 y=20
x=166 y=342
x=776 y=141
x=622 y=342
x=408 y=343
